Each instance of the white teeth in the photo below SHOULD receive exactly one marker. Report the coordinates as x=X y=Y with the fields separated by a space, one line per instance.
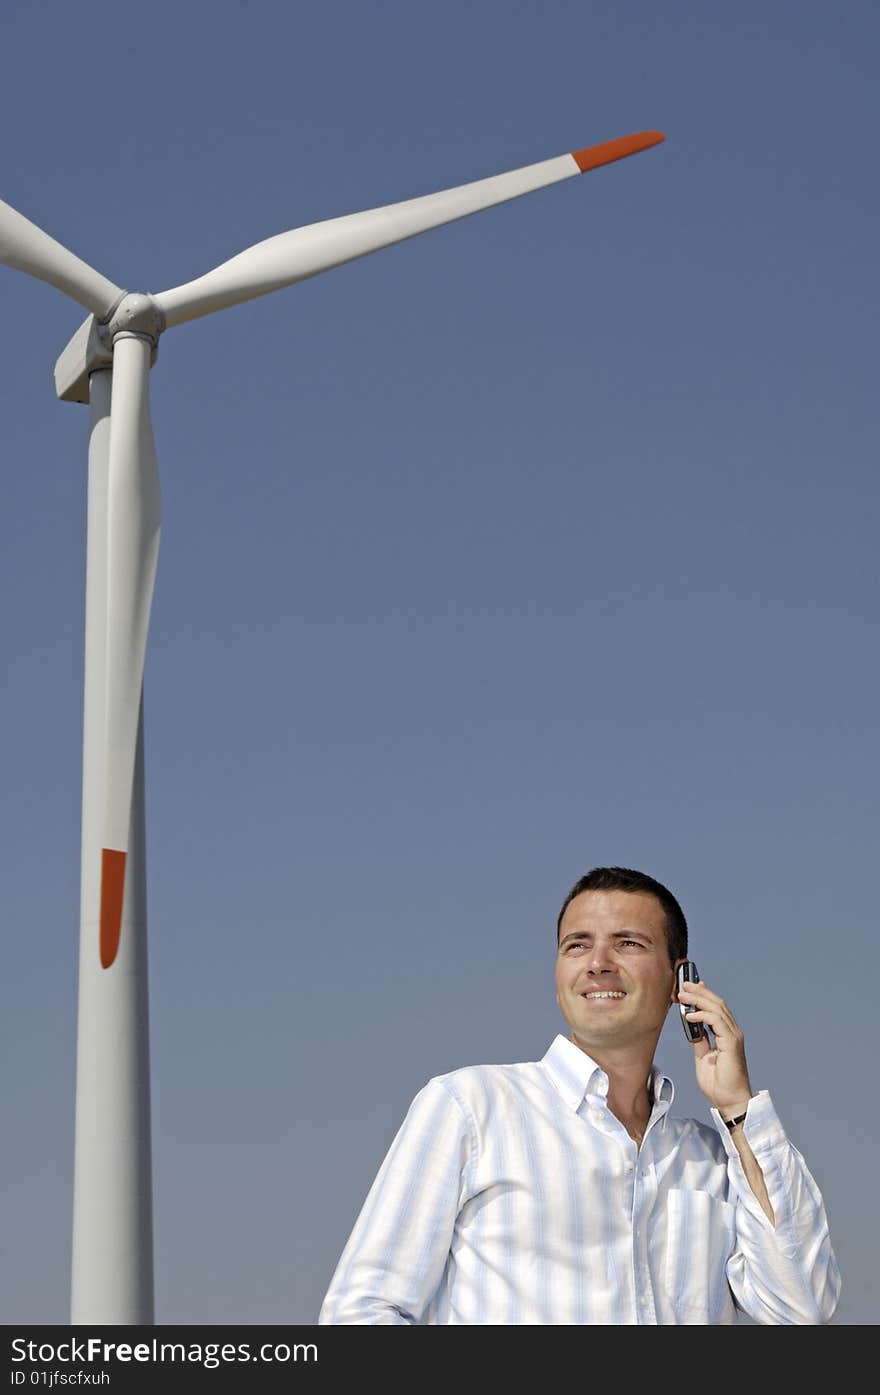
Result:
x=604 y=995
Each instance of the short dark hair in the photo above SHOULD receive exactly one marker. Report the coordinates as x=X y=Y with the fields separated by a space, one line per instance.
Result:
x=627 y=879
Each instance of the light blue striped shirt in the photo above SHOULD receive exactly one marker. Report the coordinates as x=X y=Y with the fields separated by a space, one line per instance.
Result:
x=512 y=1195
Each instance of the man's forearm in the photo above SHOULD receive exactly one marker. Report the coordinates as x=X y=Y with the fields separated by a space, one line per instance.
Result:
x=784 y=1272
x=754 y=1175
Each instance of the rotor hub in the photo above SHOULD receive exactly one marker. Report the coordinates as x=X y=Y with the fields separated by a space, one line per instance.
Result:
x=136 y=313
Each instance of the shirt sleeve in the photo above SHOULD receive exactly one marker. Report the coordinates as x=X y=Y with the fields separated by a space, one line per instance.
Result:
x=787 y=1273
x=398 y=1249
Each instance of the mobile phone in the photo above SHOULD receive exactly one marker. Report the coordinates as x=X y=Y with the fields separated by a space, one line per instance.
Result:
x=686 y=972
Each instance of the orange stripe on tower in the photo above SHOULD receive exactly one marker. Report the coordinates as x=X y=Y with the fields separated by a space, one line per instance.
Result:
x=595 y=155
x=112 y=888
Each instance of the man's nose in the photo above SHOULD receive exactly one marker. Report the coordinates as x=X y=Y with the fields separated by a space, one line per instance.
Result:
x=600 y=960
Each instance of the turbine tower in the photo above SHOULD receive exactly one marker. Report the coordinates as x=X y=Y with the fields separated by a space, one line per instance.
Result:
x=107 y=365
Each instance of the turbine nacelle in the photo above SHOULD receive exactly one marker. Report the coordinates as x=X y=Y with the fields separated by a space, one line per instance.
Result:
x=91 y=347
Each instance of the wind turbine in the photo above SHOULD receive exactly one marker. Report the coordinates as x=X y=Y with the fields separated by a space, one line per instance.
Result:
x=107 y=364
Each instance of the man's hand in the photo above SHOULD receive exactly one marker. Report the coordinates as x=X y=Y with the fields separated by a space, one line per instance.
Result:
x=722 y=1073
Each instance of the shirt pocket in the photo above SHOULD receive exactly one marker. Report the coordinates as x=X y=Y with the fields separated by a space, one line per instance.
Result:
x=700 y=1237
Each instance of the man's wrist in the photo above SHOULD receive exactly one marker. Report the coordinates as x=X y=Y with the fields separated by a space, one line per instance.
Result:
x=733 y=1115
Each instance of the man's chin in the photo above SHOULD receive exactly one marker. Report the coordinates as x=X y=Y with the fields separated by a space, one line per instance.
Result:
x=607 y=1034
x=604 y=1034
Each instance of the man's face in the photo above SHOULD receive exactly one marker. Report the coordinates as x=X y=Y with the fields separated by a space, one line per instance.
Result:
x=614 y=978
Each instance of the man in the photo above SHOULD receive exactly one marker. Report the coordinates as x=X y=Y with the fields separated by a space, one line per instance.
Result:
x=562 y=1191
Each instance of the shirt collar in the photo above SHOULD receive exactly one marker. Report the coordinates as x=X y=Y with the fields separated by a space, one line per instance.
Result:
x=575 y=1074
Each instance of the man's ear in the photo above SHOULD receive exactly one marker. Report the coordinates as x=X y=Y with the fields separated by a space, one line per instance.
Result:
x=673 y=997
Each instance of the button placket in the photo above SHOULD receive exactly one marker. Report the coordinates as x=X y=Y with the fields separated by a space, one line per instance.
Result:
x=643 y=1193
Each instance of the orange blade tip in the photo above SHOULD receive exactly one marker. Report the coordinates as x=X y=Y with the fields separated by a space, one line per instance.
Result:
x=610 y=150
x=112 y=889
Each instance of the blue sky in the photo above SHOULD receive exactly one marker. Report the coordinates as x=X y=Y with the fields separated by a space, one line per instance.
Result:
x=543 y=541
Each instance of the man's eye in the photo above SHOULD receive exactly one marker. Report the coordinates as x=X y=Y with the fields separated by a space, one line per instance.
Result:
x=637 y=943
x=577 y=945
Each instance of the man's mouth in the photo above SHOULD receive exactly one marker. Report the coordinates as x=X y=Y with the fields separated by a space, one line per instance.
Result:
x=603 y=993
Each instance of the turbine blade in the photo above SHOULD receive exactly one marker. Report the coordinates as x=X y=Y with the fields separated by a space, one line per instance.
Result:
x=26 y=247
x=133 y=519
x=294 y=256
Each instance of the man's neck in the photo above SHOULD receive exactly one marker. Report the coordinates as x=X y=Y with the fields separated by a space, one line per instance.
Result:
x=629 y=1070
